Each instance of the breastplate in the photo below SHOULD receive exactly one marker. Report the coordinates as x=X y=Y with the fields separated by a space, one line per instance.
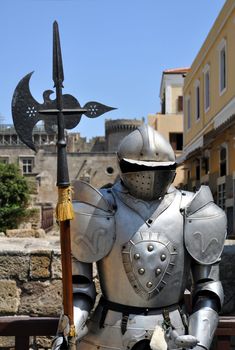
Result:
x=148 y=265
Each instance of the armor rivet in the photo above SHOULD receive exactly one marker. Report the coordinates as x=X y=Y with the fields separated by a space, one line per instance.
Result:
x=149 y=284
x=158 y=271
x=141 y=271
x=150 y=247
x=163 y=257
x=136 y=256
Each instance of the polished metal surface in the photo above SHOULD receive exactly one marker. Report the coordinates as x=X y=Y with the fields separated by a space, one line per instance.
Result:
x=205 y=228
x=146 y=159
x=146 y=264
x=147 y=145
x=88 y=194
x=147 y=261
x=150 y=273
x=139 y=327
x=213 y=288
x=92 y=229
x=148 y=185
x=202 y=324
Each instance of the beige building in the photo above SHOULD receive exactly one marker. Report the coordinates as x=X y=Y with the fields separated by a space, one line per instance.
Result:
x=170 y=121
x=209 y=121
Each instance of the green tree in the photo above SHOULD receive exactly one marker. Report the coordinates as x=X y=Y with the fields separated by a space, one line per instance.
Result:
x=14 y=196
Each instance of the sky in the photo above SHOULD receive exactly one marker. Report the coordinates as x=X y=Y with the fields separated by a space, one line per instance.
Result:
x=114 y=51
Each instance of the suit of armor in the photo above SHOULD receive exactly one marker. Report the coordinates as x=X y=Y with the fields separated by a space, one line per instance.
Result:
x=146 y=238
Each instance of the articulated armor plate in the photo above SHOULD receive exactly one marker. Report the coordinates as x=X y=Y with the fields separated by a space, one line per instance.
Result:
x=147 y=265
x=202 y=324
x=205 y=228
x=92 y=230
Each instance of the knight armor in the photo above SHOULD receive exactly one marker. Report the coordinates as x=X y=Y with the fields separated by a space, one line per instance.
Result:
x=146 y=239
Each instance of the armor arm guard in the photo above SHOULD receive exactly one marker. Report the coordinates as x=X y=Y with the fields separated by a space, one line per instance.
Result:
x=207 y=302
x=83 y=285
x=84 y=294
x=204 y=235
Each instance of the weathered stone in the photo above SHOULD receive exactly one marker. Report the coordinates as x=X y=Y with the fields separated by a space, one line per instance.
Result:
x=20 y=233
x=25 y=225
x=41 y=298
x=20 y=246
x=9 y=297
x=7 y=342
x=40 y=266
x=40 y=233
x=56 y=269
x=14 y=267
x=44 y=342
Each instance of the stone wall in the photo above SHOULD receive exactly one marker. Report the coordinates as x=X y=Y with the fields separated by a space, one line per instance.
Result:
x=30 y=280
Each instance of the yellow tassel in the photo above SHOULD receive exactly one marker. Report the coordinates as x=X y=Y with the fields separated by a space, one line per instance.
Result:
x=72 y=331
x=64 y=208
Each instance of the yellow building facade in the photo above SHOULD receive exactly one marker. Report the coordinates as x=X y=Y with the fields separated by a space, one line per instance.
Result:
x=170 y=121
x=209 y=115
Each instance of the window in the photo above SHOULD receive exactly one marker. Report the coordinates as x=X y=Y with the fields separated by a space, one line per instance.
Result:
x=188 y=175
x=206 y=87
x=197 y=169
x=222 y=67
x=206 y=165
x=176 y=140
x=27 y=165
x=197 y=100
x=180 y=104
x=188 y=112
x=223 y=160
x=221 y=195
x=4 y=160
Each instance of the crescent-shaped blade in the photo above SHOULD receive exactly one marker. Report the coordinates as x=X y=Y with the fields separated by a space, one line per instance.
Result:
x=95 y=109
x=25 y=111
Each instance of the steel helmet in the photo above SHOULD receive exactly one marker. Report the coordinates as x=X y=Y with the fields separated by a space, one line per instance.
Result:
x=147 y=163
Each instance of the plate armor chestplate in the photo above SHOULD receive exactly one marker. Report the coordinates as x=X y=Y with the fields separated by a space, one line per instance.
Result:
x=148 y=265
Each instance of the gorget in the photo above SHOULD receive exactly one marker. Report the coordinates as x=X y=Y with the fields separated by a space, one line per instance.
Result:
x=142 y=207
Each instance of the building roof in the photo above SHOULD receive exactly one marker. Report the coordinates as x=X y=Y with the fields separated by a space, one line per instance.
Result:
x=176 y=70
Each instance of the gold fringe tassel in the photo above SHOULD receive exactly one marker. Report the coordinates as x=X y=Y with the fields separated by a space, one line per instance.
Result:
x=64 y=208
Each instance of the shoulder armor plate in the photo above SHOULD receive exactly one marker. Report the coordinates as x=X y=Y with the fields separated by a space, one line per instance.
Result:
x=92 y=229
x=205 y=228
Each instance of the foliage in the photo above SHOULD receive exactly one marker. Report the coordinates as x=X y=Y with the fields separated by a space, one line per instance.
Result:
x=14 y=196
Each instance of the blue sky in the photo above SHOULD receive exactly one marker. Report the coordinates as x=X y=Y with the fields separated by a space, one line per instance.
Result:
x=114 y=51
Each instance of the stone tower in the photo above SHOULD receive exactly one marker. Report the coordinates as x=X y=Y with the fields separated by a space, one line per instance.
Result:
x=116 y=130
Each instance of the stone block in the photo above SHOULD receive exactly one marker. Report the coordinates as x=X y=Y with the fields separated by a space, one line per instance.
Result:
x=7 y=342
x=40 y=233
x=56 y=269
x=9 y=297
x=20 y=233
x=14 y=266
x=40 y=266
x=41 y=298
x=43 y=342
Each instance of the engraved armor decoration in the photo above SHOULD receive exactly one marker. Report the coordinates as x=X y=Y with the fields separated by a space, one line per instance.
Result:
x=149 y=259
x=146 y=238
